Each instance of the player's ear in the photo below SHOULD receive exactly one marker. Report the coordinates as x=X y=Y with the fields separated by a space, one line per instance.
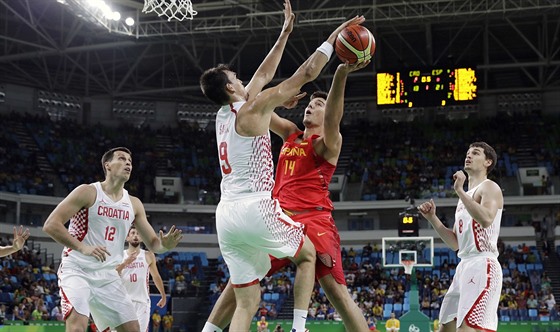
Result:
x=229 y=88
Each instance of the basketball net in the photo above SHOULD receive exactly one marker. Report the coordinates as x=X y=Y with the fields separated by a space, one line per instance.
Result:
x=171 y=9
x=408 y=265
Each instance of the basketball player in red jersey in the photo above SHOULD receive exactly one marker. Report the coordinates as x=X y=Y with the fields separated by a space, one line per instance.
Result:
x=305 y=167
x=101 y=215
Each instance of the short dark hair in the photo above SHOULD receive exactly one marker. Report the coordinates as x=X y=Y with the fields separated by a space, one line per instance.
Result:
x=108 y=156
x=489 y=153
x=213 y=84
x=319 y=94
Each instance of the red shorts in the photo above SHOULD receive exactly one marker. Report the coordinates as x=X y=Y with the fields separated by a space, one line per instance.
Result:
x=322 y=231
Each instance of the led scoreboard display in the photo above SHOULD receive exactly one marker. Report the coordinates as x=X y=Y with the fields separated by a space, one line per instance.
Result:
x=426 y=88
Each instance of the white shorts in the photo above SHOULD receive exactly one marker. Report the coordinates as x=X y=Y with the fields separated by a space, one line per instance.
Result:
x=143 y=314
x=474 y=294
x=251 y=229
x=100 y=293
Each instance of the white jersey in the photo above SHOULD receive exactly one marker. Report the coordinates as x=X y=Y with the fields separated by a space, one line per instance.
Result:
x=136 y=277
x=105 y=223
x=246 y=162
x=473 y=239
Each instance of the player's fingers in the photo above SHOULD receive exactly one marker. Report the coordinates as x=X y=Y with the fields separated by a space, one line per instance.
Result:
x=300 y=95
x=288 y=5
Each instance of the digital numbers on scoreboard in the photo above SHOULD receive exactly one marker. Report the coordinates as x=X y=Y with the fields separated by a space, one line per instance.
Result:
x=408 y=225
x=426 y=88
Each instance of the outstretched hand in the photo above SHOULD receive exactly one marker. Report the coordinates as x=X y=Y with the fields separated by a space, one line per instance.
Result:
x=353 y=21
x=171 y=239
x=351 y=67
x=292 y=102
x=289 y=17
x=20 y=236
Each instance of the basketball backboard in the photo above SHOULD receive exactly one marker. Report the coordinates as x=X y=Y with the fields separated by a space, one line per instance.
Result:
x=420 y=250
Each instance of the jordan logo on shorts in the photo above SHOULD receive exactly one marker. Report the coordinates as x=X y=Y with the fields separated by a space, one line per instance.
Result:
x=472 y=281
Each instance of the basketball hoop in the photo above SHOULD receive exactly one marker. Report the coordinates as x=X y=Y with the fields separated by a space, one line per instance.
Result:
x=408 y=265
x=172 y=9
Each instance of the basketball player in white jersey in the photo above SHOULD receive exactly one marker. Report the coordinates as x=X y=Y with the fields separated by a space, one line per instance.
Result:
x=135 y=273
x=100 y=216
x=471 y=303
x=20 y=236
x=250 y=224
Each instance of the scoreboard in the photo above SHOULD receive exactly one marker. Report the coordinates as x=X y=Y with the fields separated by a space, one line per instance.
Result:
x=426 y=88
x=408 y=225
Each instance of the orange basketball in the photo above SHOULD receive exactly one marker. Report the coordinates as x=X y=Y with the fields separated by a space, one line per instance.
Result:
x=355 y=44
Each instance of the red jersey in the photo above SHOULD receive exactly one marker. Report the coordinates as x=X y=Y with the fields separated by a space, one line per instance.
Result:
x=303 y=177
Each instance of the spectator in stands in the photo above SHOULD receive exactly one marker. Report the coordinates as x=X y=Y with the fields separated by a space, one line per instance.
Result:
x=392 y=324
x=377 y=311
x=367 y=250
x=263 y=310
x=272 y=313
x=156 y=321
x=92 y=253
x=278 y=328
x=262 y=325
x=3 y=313
x=56 y=313
x=372 y=324
x=20 y=236
x=167 y=322
x=532 y=303
x=550 y=301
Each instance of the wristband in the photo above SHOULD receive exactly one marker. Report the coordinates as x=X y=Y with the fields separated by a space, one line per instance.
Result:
x=327 y=49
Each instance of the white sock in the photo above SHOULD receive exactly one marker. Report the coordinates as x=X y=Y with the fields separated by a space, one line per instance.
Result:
x=300 y=316
x=209 y=327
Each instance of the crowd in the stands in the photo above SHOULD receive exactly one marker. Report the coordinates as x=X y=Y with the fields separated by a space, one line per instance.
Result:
x=392 y=160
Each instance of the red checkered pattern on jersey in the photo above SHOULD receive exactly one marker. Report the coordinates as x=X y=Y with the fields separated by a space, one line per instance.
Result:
x=78 y=227
x=479 y=316
x=285 y=231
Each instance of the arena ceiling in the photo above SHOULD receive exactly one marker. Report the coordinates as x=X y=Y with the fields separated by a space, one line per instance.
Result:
x=51 y=45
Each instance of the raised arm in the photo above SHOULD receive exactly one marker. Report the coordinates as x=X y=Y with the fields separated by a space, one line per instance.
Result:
x=266 y=70
x=250 y=118
x=485 y=203
x=334 y=109
x=158 y=244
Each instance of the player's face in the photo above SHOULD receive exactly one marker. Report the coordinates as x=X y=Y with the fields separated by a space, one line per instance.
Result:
x=476 y=159
x=120 y=165
x=314 y=112
x=133 y=238
x=236 y=84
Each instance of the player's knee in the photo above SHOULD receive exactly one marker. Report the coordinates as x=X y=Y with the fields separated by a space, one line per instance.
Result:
x=250 y=300
x=307 y=252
